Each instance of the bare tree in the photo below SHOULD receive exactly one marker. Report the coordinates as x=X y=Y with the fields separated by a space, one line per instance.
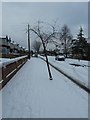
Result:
x=65 y=37
x=36 y=46
x=45 y=35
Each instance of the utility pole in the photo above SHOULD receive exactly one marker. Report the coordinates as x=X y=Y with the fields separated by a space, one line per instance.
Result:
x=28 y=42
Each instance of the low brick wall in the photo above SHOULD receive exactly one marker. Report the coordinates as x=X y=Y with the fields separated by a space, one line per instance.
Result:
x=9 y=70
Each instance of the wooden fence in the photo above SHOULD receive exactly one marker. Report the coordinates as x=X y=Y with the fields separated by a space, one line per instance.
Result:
x=10 y=68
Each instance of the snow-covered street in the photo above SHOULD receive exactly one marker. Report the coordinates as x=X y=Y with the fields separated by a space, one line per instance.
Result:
x=30 y=94
x=80 y=73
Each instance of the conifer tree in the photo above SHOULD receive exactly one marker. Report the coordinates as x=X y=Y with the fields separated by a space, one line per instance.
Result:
x=80 y=45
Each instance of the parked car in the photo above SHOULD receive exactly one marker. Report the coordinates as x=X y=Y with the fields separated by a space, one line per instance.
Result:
x=35 y=55
x=60 y=58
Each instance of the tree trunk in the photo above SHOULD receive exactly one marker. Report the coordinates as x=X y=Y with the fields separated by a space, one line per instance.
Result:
x=47 y=61
x=65 y=49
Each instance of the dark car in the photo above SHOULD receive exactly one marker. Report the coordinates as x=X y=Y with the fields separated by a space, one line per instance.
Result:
x=35 y=55
x=60 y=58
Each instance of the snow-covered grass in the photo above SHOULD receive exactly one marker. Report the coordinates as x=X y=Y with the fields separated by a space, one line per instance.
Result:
x=83 y=63
x=79 y=73
x=30 y=94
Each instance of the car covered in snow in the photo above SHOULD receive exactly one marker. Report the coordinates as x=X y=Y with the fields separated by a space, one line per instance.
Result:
x=60 y=58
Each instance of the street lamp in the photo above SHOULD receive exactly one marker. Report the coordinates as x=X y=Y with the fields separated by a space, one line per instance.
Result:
x=28 y=42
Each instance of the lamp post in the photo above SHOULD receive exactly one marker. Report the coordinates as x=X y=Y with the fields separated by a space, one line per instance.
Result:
x=28 y=42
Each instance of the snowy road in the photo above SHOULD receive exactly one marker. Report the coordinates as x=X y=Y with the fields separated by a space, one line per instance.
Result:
x=30 y=94
x=79 y=73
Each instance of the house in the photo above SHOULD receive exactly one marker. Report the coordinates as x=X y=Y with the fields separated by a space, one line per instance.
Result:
x=4 y=46
x=10 y=49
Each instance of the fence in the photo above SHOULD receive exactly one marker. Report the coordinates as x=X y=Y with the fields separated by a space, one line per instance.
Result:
x=9 y=68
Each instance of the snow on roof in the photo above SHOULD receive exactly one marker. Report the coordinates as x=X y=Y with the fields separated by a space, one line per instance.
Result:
x=23 y=47
x=2 y=36
x=14 y=43
x=11 y=42
x=88 y=40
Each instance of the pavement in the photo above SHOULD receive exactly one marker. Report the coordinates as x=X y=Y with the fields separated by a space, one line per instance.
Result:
x=30 y=94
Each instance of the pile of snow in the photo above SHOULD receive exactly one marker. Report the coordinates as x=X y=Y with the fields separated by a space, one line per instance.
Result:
x=79 y=62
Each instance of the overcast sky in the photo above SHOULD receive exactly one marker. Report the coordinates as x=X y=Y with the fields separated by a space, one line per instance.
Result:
x=15 y=17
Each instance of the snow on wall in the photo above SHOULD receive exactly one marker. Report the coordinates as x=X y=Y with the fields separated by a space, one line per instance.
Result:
x=4 y=62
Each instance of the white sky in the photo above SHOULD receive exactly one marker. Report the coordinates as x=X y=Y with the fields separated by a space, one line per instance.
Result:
x=44 y=0
x=15 y=16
